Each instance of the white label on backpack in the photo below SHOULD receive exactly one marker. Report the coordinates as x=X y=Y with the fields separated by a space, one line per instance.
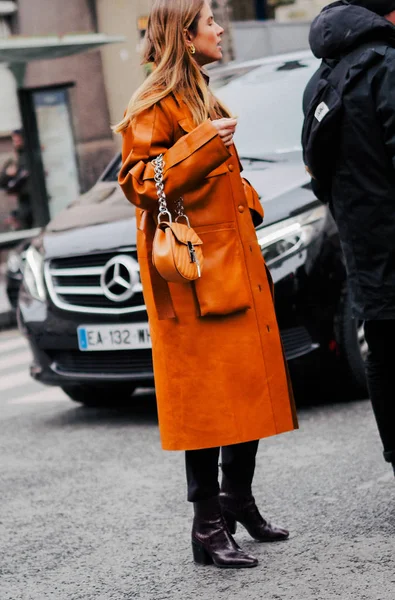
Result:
x=321 y=111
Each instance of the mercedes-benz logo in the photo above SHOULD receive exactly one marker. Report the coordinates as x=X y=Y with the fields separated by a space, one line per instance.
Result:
x=119 y=278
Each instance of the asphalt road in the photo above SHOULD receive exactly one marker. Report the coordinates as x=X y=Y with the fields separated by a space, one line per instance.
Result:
x=91 y=508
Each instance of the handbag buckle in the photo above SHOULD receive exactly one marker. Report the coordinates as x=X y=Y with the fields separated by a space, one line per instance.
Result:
x=183 y=217
x=167 y=214
x=193 y=257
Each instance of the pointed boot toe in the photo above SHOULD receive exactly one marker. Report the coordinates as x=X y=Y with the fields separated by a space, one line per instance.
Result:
x=243 y=510
x=212 y=542
x=271 y=533
x=222 y=556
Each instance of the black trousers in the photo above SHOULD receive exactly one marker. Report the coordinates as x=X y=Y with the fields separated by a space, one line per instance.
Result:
x=380 y=369
x=237 y=463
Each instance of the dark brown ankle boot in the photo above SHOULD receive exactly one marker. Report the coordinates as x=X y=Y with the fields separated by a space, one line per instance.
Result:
x=239 y=507
x=211 y=540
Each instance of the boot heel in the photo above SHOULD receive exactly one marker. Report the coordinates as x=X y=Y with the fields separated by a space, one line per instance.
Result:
x=231 y=523
x=200 y=554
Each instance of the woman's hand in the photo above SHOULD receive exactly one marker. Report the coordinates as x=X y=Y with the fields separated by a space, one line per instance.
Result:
x=11 y=171
x=226 y=129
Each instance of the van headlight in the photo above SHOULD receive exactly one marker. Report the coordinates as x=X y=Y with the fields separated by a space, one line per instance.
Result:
x=33 y=274
x=14 y=262
x=292 y=235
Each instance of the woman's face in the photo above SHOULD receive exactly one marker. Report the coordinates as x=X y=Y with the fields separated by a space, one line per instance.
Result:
x=207 y=40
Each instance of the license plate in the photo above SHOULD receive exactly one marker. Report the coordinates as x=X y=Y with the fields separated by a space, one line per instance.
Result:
x=110 y=337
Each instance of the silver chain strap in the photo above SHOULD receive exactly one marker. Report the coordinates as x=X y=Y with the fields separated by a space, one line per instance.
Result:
x=159 y=165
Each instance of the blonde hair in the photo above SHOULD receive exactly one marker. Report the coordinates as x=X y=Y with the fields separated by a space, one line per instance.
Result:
x=175 y=69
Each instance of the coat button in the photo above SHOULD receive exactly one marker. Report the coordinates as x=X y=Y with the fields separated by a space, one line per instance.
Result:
x=241 y=208
x=231 y=168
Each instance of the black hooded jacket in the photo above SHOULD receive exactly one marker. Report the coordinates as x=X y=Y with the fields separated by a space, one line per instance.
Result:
x=363 y=185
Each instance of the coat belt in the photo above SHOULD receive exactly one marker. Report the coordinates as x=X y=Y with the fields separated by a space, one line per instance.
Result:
x=160 y=287
x=161 y=293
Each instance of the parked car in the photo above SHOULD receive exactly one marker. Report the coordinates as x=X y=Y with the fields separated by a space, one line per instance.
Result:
x=81 y=305
x=14 y=271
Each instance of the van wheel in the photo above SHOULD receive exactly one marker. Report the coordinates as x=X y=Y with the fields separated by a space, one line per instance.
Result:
x=350 y=337
x=94 y=396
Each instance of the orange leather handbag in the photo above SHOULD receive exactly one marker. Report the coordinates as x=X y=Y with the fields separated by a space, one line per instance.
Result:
x=177 y=249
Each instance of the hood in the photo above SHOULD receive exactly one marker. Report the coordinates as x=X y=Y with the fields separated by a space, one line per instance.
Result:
x=341 y=27
x=283 y=187
x=90 y=239
x=100 y=220
x=104 y=203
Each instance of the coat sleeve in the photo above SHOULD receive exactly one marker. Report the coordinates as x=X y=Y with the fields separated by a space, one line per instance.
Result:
x=254 y=204
x=187 y=161
x=385 y=104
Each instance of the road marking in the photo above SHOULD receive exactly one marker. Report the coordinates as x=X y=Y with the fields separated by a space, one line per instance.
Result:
x=372 y=483
x=7 y=345
x=52 y=394
x=367 y=485
x=386 y=477
x=15 y=360
x=10 y=334
x=7 y=382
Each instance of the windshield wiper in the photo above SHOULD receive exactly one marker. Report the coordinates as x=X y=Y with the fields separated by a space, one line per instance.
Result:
x=256 y=159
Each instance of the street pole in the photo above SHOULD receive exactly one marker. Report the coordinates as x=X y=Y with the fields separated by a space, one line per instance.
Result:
x=260 y=7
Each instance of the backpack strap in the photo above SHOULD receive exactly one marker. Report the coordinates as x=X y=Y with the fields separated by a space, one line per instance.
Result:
x=346 y=62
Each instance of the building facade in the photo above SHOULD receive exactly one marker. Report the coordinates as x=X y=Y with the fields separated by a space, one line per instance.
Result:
x=101 y=82
x=88 y=98
x=247 y=10
x=121 y=63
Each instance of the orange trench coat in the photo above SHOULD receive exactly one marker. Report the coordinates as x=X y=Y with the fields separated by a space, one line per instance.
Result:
x=219 y=368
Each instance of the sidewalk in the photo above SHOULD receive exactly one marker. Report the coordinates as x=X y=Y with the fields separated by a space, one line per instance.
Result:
x=7 y=317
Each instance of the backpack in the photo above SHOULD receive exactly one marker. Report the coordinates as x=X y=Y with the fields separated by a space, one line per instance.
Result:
x=324 y=112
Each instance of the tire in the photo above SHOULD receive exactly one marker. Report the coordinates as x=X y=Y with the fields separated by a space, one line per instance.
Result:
x=105 y=396
x=352 y=346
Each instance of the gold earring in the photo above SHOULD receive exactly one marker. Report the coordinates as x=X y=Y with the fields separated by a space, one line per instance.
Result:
x=192 y=49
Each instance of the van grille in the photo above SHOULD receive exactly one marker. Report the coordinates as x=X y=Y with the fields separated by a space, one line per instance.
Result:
x=126 y=364
x=297 y=342
x=105 y=283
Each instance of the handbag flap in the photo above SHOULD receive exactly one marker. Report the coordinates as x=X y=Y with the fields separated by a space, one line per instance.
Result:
x=183 y=233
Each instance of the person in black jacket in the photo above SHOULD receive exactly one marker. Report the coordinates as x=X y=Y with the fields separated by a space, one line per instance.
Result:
x=362 y=189
x=14 y=179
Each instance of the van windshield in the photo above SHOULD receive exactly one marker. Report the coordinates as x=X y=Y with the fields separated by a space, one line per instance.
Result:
x=268 y=103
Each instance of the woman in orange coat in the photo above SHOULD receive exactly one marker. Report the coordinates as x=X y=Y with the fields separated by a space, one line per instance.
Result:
x=219 y=368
